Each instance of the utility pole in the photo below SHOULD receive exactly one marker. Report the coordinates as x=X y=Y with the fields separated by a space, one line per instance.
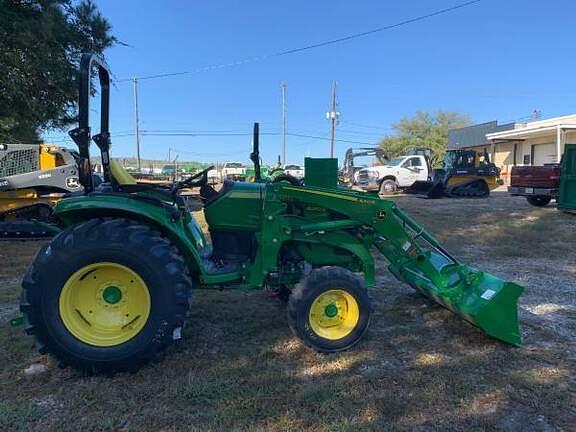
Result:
x=333 y=116
x=136 y=120
x=283 y=123
x=176 y=167
x=169 y=159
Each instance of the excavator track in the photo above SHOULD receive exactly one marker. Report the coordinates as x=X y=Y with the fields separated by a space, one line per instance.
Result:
x=474 y=189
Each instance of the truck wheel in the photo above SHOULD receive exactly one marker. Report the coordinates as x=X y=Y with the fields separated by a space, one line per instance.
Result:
x=330 y=310
x=539 y=200
x=388 y=187
x=107 y=295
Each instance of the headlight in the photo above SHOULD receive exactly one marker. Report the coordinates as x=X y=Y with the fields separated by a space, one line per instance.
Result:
x=373 y=175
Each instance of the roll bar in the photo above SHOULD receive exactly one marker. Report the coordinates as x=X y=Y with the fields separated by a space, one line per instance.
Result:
x=82 y=134
x=255 y=155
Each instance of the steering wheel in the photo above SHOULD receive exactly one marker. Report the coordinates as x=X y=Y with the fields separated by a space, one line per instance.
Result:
x=287 y=178
x=189 y=182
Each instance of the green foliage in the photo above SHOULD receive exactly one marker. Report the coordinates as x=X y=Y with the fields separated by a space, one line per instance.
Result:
x=40 y=46
x=424 y=129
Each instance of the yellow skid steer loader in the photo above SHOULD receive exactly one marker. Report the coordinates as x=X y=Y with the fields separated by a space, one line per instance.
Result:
x=32 y=179
x=465 y=174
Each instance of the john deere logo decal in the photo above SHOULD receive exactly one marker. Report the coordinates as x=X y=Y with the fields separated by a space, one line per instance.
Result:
x=72 y=182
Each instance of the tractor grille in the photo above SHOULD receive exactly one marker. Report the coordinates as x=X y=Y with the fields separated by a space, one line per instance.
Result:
x=18 y=159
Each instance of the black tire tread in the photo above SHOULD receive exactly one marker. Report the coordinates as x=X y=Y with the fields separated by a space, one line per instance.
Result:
x=539 y=200
x=386 y=193
x=131 y=234
x=316 y=277
x=475 y=189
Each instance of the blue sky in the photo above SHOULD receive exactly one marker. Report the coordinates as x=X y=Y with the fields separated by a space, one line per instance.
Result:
x=493 y=60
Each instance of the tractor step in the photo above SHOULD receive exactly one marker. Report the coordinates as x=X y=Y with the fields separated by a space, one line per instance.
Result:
x=212 y=267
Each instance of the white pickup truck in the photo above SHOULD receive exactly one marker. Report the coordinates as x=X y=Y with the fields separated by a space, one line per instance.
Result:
x=295 y=171
x=233 y=171
x=399 y=173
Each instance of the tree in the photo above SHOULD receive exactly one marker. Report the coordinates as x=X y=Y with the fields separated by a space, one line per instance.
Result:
x=424 y=129
x=40 y=46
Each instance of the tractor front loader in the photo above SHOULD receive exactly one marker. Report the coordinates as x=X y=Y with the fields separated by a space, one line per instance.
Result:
x=132 y=253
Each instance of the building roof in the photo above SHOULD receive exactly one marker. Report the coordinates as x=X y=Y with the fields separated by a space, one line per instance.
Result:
x=534 y=129
x=475 y=135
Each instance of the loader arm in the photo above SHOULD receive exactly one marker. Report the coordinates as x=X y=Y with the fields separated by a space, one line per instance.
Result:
x=415 y=258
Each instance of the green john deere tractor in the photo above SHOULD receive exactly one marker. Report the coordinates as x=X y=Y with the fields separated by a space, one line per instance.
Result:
x=112 y=290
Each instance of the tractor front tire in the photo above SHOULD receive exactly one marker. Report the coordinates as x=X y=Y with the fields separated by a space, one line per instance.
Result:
x=107 y=295
x=330 y=310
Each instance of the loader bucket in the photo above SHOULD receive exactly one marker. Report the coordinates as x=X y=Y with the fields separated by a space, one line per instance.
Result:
x=427 y=189
x=480 y=298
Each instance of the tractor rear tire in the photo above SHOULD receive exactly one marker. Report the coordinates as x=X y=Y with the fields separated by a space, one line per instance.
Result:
x=107 y=295
x=539 y=200
x=330 y=310
x=388 y=188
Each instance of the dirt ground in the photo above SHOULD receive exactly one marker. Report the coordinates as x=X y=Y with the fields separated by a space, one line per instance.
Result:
x=419 y=367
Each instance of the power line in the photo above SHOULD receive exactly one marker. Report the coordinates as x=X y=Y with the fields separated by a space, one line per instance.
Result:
x=380 y=29
x=225 y=134
x=328 y=139
x=311 y=46
x=198 y=134
x=213 y=133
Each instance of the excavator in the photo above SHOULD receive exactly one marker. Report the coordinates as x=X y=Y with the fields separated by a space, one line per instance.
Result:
x=32 y=179
x=348 y=171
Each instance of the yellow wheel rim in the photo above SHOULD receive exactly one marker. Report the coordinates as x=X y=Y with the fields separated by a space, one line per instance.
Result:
x=334 y=314
x=104 y=304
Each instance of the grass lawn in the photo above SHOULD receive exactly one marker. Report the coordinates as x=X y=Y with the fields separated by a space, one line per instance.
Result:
x=419 y=367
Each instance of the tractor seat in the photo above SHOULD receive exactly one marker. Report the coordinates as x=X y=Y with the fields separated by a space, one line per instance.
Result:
x=210 y=196
x=126 y=183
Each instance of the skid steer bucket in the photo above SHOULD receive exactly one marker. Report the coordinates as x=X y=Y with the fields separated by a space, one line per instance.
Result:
x=428 y=189
x=480 y=298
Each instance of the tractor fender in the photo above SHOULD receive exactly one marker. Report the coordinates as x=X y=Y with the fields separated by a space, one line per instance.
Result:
x=183 y=231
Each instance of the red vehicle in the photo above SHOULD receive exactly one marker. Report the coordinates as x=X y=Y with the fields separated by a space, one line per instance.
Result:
x=539 y=184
